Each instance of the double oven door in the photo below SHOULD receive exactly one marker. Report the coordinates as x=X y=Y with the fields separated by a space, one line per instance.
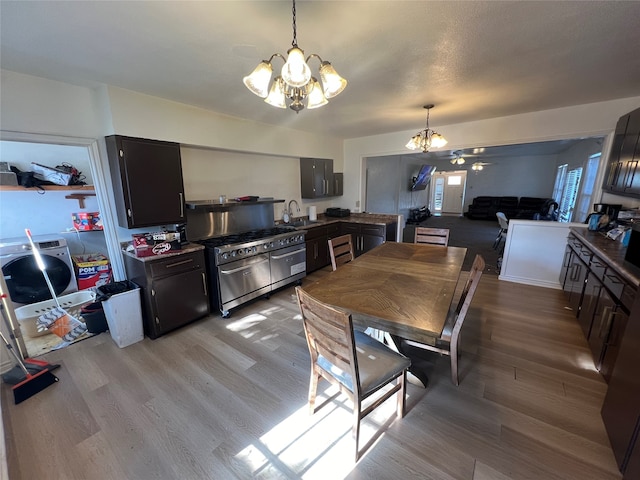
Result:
x=242 y=280
x=287 y=265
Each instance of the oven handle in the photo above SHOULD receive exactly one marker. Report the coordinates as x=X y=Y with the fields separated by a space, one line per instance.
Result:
x=244 y=267
x=295 y=252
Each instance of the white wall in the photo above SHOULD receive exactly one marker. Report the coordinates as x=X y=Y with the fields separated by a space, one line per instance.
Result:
x=210 y=173
x=587 y=120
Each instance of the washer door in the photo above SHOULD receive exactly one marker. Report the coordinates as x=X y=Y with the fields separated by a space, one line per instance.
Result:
x=26 y=282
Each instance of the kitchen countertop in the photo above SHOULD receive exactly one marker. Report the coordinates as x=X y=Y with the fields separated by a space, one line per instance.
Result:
x=188 y=248
x=611 y=250
x=364 y=218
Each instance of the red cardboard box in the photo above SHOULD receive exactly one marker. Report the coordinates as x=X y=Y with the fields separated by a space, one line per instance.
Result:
x=87 y=221
x=92 y=270
x=148 y=244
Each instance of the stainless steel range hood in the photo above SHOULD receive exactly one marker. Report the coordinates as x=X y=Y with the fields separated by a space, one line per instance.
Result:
x=211 y=218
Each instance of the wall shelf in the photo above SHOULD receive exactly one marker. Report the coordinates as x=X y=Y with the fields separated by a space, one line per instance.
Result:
x=64 y=188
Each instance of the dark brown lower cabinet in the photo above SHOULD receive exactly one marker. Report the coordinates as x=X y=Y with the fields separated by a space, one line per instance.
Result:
x=621 y=408
x=174 y=290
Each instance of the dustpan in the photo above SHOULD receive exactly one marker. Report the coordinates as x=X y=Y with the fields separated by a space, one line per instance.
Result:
x=57 y=321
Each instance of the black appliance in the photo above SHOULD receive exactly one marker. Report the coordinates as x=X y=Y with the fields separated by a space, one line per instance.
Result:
x=246 y=265
x=337 y=212
x=611 y=210
x=421 y=181
x=633 y=249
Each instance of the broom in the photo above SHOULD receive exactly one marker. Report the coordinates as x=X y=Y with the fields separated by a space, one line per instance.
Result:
x=32 y=383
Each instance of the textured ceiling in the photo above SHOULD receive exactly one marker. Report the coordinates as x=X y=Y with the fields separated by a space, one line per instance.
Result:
x=473 y=60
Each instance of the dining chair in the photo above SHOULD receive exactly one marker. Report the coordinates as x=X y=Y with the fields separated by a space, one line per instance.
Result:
x=504 y=226
x=357 y=364
x=341 y=250
x=449 y=341
x=433 y=236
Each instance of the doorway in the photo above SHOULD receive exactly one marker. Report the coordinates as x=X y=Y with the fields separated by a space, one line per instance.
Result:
x=447 y=192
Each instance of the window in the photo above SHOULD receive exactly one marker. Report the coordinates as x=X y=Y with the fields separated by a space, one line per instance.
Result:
x=569 y=194
x=586 y=196
x=454 y=180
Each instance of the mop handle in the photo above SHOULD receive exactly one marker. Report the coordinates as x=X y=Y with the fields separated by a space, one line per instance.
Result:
x=41 y=266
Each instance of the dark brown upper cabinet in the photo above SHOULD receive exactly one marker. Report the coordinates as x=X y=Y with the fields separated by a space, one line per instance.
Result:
x=623 y=177
x=147 y=181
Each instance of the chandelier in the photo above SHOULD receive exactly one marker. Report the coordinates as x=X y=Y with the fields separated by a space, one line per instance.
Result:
x=295 y=82
x=427 y=138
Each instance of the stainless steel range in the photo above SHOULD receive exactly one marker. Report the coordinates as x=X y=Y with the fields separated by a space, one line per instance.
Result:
x=248 y=264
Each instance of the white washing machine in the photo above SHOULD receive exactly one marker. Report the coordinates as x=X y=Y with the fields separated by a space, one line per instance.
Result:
x=25 y=281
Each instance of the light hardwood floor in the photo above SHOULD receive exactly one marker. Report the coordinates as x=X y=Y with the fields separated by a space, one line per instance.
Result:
x=226 y=399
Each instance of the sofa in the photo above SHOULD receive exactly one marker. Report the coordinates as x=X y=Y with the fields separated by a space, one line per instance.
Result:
x=529 y=208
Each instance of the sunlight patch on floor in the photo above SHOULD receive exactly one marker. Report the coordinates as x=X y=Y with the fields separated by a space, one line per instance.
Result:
x=318 y=446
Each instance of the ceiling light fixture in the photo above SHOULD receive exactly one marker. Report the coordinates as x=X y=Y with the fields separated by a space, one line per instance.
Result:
x=427 y=138
x=458 y=159
x=477 y=167
x=295 y=81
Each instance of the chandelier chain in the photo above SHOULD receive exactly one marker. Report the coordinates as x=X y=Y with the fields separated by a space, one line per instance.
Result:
x=294 y=43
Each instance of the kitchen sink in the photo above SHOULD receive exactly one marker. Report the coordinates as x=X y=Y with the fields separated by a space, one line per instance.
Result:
x=303 y=223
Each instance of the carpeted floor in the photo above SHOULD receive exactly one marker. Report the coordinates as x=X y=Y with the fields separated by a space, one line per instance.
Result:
x=476 y=235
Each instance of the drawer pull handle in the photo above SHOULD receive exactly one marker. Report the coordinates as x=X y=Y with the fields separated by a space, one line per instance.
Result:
x=204 y=284
x=614 y=278
x=177 y=264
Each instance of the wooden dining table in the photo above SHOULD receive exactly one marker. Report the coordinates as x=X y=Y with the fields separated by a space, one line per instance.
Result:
x=404 y=289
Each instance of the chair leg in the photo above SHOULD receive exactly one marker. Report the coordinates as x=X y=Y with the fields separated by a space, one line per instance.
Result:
x=402 y=379
x=356 y=427
x=313 y=388
x=454 y=361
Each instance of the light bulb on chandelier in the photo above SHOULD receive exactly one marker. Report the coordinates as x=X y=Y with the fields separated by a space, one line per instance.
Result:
x=295 y=81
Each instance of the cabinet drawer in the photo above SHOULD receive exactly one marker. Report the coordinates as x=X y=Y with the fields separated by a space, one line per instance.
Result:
x=598 y=267
x=177 y=264
x=378 y=230
x=315 y=232
x=615 y=284
x=333 y=230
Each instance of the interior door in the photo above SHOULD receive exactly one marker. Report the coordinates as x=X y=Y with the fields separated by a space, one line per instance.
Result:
x=448 y=192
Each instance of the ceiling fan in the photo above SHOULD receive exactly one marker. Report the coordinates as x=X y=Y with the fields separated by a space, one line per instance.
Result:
x=458 y=157
x=478 y=166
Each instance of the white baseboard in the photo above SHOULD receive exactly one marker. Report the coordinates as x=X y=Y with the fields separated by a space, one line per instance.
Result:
x=530 y=281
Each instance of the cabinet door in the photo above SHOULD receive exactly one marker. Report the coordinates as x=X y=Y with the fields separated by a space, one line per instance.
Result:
x=178 y=298
x=628 y=149
x=614 y=179
x=371 y=236
x=316 y=177
x=621 y=407
x=574 y=285
x=590 y=296
x=148 y=186
x=619 y=320
x=602 y=319
x=353 y=229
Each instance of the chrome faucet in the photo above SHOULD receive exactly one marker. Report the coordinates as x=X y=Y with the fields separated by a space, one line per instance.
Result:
x=289 y=207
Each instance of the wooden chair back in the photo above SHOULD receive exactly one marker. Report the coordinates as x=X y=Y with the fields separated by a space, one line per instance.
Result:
x=467 y=294
x=334 y=348
x=329 y=333
x=433 y=236
x=448 y=342
x=341 y=250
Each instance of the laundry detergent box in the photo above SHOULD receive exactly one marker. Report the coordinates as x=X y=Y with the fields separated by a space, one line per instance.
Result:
x=92 y=270
x=87 y=221
x=158 y=243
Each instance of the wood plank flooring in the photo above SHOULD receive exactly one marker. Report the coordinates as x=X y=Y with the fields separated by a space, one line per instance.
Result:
x=226 y=399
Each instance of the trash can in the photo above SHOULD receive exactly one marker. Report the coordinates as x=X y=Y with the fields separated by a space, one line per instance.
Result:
x=121 y=304
x=93 y=317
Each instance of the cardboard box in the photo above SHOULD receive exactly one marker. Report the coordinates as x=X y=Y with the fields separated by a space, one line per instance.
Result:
x=92 y=270
x=87 y=221
x=148 y=244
